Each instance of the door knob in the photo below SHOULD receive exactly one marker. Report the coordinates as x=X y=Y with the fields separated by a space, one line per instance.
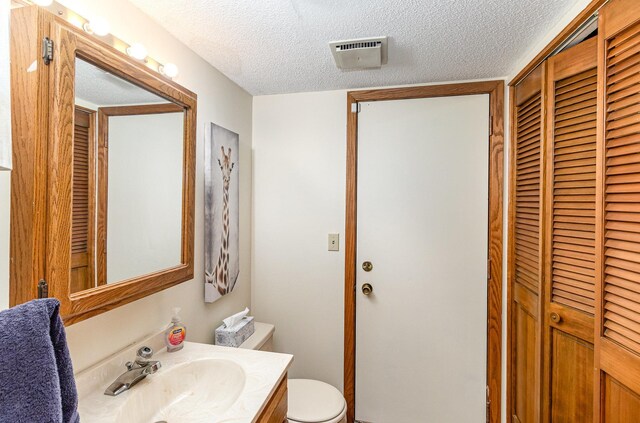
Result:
x=367 y=289
x=367 y=266
x=555 y=318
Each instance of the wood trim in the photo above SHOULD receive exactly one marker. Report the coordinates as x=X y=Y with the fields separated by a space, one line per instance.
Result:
x=350 y=262
x=104 y=113
x=496 y=215
x=546 y=207
x=525 y=298
x=407 y=93
x=620 y=363
x=102 y=193
x=528 y=87
x=566 y=62
x=540 y=358
x=41 y=226
x=613 y=22
x=598 y=391
x=495 y=89
x=142 y=109
x=81 y=305
x=572 y=27
x=29 y=99
x=511 y=294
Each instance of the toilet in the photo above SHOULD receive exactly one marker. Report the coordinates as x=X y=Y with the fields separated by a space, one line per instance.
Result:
x=310 y=401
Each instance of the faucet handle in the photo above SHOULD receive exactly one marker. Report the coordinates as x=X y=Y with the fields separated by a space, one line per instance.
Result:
x=143 y=355
x=145 y=352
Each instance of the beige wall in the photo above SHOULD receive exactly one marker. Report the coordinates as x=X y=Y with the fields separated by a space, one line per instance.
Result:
x=299 y=197
x=219 y=101
x=145 y=168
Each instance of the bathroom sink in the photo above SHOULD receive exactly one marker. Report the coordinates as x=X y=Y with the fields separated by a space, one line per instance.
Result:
x=200 y=383
x=197 y=391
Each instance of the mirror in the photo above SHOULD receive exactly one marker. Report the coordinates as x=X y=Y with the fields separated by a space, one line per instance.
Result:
x=127 y=184
x=103 y=179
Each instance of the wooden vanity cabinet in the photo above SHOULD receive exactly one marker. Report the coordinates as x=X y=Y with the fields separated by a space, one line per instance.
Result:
x=276 y=408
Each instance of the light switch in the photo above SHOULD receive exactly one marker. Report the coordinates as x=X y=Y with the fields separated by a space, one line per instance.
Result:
x=334 y=242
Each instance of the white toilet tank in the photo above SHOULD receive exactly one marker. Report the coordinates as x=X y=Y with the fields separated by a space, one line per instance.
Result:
x=262 y=338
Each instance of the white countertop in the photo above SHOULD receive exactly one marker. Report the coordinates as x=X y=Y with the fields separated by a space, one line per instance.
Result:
x=263 y=370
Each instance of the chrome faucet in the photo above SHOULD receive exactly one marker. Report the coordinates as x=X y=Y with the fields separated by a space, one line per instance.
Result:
x=136 y=371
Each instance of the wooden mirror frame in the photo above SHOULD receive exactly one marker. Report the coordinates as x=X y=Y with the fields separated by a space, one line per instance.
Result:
x=41 y=203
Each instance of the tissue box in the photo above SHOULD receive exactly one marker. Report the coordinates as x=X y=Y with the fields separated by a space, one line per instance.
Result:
x=235 y=336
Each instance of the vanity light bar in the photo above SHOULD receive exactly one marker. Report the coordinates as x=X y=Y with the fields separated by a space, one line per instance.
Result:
x=100 y=27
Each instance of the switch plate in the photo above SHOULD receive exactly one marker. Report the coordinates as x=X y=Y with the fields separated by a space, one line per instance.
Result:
x=334 y=242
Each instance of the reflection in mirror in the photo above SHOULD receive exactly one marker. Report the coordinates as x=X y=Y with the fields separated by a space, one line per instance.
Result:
x=127 y=180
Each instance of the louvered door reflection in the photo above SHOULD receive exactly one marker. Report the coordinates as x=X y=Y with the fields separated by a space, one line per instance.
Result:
x=83 y=215
x=618 y=340
x=525 y=248
x=570 y=236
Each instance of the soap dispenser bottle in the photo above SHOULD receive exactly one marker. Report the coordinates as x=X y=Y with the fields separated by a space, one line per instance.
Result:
x=175 y=333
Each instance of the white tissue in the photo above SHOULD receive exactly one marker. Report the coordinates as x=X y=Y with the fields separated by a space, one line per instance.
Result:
x=231 y=321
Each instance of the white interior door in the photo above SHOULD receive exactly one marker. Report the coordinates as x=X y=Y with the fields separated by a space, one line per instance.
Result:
x=421 y=335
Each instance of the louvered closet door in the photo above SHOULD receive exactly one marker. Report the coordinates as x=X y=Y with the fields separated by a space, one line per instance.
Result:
x=570 y=235
x=618 y=318
x=525 y=234
x=82 y=217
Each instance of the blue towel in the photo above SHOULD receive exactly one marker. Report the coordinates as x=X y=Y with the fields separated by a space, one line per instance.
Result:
x=36 y=376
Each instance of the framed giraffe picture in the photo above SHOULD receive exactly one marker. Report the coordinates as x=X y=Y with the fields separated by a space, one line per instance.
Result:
x=221 y=216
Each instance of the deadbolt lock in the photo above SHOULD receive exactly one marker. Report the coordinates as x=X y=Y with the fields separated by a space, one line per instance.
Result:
x=367 y=289
x=367 y=266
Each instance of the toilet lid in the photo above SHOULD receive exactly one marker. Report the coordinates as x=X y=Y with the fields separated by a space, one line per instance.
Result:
x=312 y=401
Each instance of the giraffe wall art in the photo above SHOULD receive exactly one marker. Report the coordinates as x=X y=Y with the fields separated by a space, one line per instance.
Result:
x=221 y=216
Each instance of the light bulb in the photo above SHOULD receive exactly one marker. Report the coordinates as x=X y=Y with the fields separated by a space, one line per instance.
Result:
x=43 y=2
x=169 y=69
x=97 y=26
x=137 y=51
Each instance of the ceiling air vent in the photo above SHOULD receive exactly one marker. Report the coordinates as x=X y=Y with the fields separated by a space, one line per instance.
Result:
x=363 y=53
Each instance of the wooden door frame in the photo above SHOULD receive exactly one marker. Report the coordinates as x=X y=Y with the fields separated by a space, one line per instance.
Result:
x=495 y=89
x=102 y=190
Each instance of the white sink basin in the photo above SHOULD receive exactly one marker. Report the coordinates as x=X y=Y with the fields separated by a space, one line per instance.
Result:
x=198 y=391
x=200 y=383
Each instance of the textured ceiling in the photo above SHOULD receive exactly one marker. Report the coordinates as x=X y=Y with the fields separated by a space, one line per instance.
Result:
x=281 y=46
x=105 y=89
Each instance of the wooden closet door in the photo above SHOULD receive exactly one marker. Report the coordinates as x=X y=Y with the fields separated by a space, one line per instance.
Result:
x=617 y=342
x=570 y=188
x=83 y=196
x=525 y=267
